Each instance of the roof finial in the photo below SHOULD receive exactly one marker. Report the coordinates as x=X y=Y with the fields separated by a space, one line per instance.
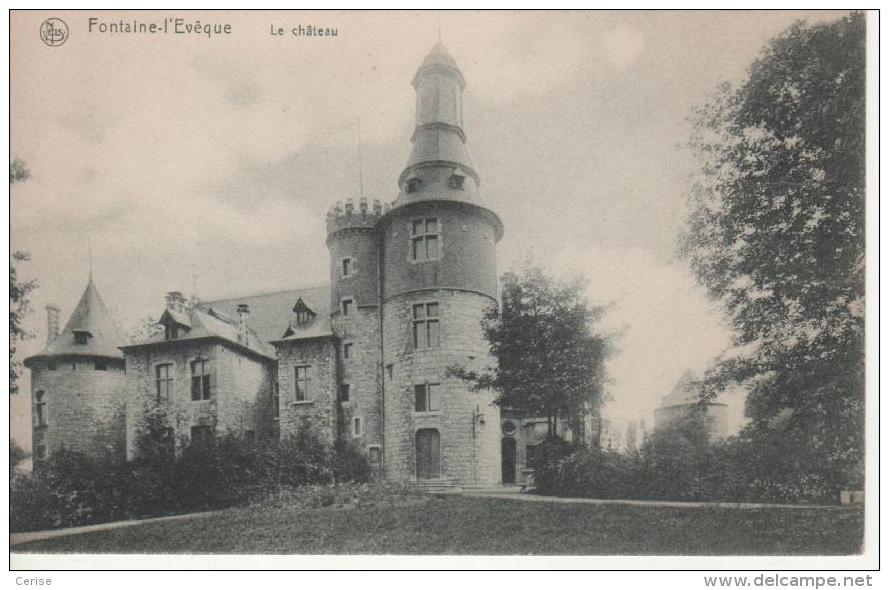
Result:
x=360 y=162
x=89 y=248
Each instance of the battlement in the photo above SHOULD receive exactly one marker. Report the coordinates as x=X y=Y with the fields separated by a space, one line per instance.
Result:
x=346 y=215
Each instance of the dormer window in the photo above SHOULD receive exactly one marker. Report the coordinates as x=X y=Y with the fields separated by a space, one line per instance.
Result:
x=171 y=331
x=304 y=315
x=412 y=185
x=456 y=181
x=81 y=337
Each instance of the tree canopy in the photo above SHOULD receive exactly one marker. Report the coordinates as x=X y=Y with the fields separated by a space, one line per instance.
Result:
x=19 y=290
x=776 y=233
x=549 y=358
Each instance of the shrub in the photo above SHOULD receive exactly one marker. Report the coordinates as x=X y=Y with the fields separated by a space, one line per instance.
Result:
x=349 y=463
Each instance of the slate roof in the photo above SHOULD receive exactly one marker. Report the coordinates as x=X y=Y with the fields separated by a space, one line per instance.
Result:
x=271 y=314
x=684 y=391
x=91 y=316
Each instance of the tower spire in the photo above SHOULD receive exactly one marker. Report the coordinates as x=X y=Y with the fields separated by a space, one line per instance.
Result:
x=89 y=249
x=439 y=165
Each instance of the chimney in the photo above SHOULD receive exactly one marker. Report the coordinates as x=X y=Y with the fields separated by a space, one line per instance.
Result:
x=176 y=301
x=52 y=323
x=243 y=331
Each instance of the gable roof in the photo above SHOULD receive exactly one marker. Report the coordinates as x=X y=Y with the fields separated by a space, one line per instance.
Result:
x=684 y=392
x=269 y=319
x=202 y=322
x=91 y=316
x=271 y=314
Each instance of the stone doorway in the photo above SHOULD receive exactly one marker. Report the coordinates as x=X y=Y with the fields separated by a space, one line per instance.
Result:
x=507 y=458
x=428 y=454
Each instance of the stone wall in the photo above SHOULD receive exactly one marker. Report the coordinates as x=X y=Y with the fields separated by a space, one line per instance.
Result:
x=467 y=244
x=468 y=422
x=240 y=390
x=362 y=372
x=84 y=406
x=319 y=354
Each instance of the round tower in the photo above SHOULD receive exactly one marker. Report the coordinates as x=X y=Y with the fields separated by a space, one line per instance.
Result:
x=77 y=383
x=439 y=275
x=354 y=292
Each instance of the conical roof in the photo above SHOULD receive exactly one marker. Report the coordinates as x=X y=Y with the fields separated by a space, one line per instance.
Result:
x=438 y=56
x=684 y=391
x=94 y=318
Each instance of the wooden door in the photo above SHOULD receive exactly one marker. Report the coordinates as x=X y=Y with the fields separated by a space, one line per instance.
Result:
x=428 y=454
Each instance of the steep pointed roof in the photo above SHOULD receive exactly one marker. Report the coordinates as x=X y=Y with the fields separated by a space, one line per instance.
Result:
x=684 y=391
x=92 y=317
x=439 y=56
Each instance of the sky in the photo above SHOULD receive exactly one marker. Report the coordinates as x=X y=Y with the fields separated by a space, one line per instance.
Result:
x=207 y=165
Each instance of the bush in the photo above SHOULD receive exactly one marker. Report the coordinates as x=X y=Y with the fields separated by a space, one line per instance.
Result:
x=349 y=463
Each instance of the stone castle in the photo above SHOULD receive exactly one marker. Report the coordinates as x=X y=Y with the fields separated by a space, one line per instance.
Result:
x=365 y=359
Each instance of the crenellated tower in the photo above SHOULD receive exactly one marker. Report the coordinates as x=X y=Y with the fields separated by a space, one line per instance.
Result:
x=353 y=246
x=439 y=275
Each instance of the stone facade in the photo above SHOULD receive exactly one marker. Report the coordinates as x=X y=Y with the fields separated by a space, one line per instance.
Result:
x=240 y=391
x=82 y=406
x=349 y=346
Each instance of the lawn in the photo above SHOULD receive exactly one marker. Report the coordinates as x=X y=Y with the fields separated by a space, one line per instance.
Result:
x=455 y=525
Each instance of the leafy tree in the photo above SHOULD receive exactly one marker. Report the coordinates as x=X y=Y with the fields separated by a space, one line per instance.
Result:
x=145 y=328
x=19 y=290
x=549 y=359
x=16 y=455
x=776 y=234
x=18 y=171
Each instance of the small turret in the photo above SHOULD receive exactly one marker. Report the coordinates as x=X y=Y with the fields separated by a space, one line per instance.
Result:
x=439 y=166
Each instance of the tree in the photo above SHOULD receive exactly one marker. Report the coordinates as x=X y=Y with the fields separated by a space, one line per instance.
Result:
x=16 y=455
x=776 y=234
x=549 y=360
x=19 y=290
x=18 y=171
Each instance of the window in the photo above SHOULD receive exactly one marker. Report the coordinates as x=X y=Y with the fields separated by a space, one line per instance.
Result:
x=303 y=317
x=413 y=185
x=171 y=332
x=51 y=365
x=100 y=366
x=426 y=327
x=81 y=337
x=426 y=397
x=40 y=407
x=200 y=380
x=163 y=378
x=41 y=452
x=373 y=455
x=456 y=181
x=276 y=401
x=389 y=369
x=301 y=375
x=347 y=350
x=347 y=306
x=424 y=239
x=73 y=366
x=356 y=426
x=344 y=392
x=348 y=268
x=201 y=435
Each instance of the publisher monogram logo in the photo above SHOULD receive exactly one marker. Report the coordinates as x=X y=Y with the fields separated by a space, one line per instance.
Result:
x=54 y=32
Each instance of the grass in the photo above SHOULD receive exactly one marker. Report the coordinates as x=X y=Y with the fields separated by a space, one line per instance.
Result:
x=457 y=525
